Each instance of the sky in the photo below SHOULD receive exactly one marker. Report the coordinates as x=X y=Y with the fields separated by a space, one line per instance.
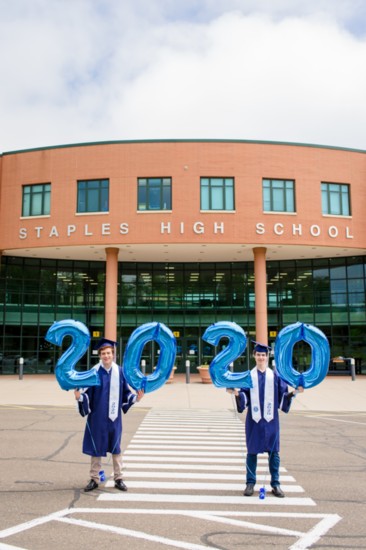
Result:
x=77 y=71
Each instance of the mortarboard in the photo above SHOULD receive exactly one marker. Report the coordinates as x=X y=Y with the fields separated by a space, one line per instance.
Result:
x=105 y=343
x=262 y=348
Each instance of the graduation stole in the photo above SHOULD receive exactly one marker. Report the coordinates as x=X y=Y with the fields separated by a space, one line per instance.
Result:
x=268 y=396
x=113 y=391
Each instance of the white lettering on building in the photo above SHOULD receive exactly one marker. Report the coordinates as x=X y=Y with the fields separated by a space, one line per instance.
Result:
x=260 y=229
x=218 y=228
x=53 y=232
x=106 y=228
x=165 y=227
x=278 y=228
x=333 y=231
x=198 y=228
x=315 y=230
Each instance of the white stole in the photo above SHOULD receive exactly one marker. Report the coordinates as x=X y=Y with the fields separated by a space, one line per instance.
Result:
x=113 y=391
x=268 y=396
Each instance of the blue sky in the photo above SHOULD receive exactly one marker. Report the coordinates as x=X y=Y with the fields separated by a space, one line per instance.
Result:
x=96 y=70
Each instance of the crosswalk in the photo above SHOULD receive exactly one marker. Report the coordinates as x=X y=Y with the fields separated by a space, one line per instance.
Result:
x=196 y=457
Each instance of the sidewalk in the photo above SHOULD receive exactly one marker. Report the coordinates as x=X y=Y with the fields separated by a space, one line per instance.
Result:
x=338 y=393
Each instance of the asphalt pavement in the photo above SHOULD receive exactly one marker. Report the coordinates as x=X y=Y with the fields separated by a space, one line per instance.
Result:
x=169 y=462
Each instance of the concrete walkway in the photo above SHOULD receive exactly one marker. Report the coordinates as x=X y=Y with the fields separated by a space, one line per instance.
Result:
x=338 y=393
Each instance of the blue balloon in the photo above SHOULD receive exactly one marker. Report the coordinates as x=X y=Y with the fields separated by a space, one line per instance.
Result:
x=66 y=375
x=320 y=355
x=132 y=356
x=220 y=374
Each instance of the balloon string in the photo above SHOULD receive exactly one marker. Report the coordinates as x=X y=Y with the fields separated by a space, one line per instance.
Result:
x=92 y=439
x=237 y=419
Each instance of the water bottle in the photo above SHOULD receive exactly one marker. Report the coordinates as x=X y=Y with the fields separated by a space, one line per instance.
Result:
x=102 y=476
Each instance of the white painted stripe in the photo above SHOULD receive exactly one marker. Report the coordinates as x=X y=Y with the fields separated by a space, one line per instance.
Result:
x=30 y=524
x=195 y=486
x=134 y=534
x=183 y=430
x=198 y=467
x=190 y=424
x=205 y=499
x=183 y=439
x=188 y=436
x=251 y=525
x=191 y=431
x=180 y=459
x=196 y=446
x=310 y=538
x=4 y=546
x=190 y=512
x=183 y=453
x=202 y=475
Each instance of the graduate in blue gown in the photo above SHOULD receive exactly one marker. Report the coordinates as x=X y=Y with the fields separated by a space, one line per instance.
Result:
x=268 y=395
x=102 y=406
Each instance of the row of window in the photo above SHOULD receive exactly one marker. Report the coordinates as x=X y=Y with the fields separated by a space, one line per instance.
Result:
x=155 y=194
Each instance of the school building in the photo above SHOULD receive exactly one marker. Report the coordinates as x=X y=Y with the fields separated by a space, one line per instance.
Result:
x=186 y=233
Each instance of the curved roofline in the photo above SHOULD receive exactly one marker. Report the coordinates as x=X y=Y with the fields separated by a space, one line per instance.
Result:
x=115 y=142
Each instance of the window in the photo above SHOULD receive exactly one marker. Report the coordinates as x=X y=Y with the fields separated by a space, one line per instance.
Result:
x=217 y=194
x=335 y=199
x=36 y=199
x=93 y=196
x=154 y=194
x=278 y=195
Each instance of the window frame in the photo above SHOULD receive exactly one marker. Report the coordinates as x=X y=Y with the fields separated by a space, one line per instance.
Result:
x=225 y=188
x=87 y=191
x=45 y=199
x=329 y=193
x=284 y=190
x=150 y=187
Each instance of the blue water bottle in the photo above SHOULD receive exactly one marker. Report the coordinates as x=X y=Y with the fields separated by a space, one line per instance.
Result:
x=102 y=475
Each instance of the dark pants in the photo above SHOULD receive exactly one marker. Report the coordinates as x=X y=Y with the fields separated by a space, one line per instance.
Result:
x=274 y=468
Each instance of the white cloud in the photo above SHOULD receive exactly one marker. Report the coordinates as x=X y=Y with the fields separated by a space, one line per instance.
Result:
x=102 y=71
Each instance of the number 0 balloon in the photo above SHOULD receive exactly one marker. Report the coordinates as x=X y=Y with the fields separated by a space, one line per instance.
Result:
x=131 y=361
x=320 y=355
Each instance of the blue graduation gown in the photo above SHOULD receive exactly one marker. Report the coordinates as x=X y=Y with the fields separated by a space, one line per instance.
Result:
x=102 y=435
x=264 y=436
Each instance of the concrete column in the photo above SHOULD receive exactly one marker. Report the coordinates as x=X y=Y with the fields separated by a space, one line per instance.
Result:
x=110 y=312
x=260 y=288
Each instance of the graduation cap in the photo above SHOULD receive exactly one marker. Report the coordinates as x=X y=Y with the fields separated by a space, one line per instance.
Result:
x=261 y=348
x=105 y=343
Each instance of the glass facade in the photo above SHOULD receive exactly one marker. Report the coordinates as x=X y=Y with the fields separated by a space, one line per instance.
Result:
x=187 y=297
